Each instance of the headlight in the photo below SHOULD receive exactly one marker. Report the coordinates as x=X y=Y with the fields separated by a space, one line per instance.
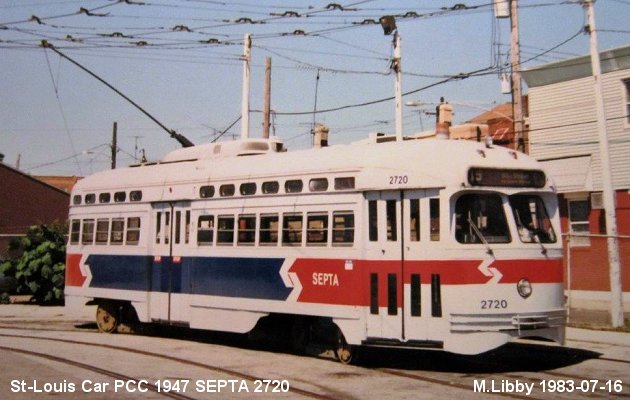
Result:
x=524 y=288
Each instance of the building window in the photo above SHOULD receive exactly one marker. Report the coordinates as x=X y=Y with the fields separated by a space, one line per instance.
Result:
x=579 y=211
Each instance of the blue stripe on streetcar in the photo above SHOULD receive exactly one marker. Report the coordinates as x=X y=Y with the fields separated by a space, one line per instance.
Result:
x=256 y=278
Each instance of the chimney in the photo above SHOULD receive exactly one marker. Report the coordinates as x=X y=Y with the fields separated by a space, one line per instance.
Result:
x=321 y=136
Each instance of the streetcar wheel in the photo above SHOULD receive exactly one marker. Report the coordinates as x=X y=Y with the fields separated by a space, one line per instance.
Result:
x=107 y=318
x=345 y=353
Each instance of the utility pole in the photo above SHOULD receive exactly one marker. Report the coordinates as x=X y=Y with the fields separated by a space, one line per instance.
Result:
x=517 y=96
x=396 y=66
x=616 y=292
x=267 y=98
x=247 y=47
x=114 y=144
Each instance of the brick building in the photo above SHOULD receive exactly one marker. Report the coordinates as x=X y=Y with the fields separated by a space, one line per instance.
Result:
x=26 y=201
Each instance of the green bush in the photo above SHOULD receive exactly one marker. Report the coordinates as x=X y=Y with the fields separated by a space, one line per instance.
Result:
x=40 y=270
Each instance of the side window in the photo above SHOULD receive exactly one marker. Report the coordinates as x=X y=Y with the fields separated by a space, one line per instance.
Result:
x=178 y=226
x=269 y=229
x=133 y=230
x=434 y=214
x=225 y=229
x=87 y=236
x=292 y=229
x=270 y=187
x=75 y=231
x=414 y=220
x=579 y=211
x=187 y=228
x=118 y=229
x=158 y=227
x=102 y=230
x=293 y=186
x=317 y=229
x=247 y=229
x=227 y=190
x=373 y=220
x=343 y=228
x=205 y=230
x=392 y=225
x=119 y=197
x=318 y=185
x=167 y=227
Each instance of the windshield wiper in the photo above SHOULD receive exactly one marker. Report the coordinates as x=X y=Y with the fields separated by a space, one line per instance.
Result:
x=480 y=235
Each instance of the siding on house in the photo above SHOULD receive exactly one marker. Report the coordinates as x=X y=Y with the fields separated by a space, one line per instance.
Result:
x=562 y=117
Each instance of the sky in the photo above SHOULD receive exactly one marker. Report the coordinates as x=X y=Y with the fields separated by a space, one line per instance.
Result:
x=181 y=61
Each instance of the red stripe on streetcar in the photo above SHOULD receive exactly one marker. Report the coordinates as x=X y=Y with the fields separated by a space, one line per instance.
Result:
x=74 y=277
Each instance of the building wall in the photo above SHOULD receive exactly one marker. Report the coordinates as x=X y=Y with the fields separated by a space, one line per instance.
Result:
x=586 y=267
x=25 y=201
x=563 y=123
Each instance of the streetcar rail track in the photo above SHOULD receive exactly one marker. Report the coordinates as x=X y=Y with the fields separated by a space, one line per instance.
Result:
x=227 y=371
x=98 y=370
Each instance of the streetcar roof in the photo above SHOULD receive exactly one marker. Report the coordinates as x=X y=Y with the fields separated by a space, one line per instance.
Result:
x=426 y=164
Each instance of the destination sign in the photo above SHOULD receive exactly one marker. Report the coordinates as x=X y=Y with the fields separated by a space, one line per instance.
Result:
x=506 y=177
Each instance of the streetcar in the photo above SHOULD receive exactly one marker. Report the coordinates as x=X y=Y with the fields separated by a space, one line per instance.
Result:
x=448 y=245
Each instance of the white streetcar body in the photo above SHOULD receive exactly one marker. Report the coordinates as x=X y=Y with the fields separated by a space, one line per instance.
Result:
x=437 y=244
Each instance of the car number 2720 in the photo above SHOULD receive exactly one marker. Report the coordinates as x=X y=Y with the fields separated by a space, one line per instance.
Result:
x=398 y=179
x=493 y=304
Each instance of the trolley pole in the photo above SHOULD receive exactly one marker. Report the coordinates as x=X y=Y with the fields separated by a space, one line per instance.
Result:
x=616 y=291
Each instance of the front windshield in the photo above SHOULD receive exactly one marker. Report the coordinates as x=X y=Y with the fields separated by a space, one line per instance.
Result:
x=480 y=218
x=532 y=220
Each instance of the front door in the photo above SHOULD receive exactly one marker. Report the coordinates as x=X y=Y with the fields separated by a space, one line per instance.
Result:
x=170 y=272
x=402 y=227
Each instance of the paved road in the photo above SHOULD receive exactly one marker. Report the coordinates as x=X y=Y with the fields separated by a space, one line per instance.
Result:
x=45 y=353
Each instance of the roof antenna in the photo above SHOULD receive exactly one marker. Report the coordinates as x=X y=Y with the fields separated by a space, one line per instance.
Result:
x=177 y=136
